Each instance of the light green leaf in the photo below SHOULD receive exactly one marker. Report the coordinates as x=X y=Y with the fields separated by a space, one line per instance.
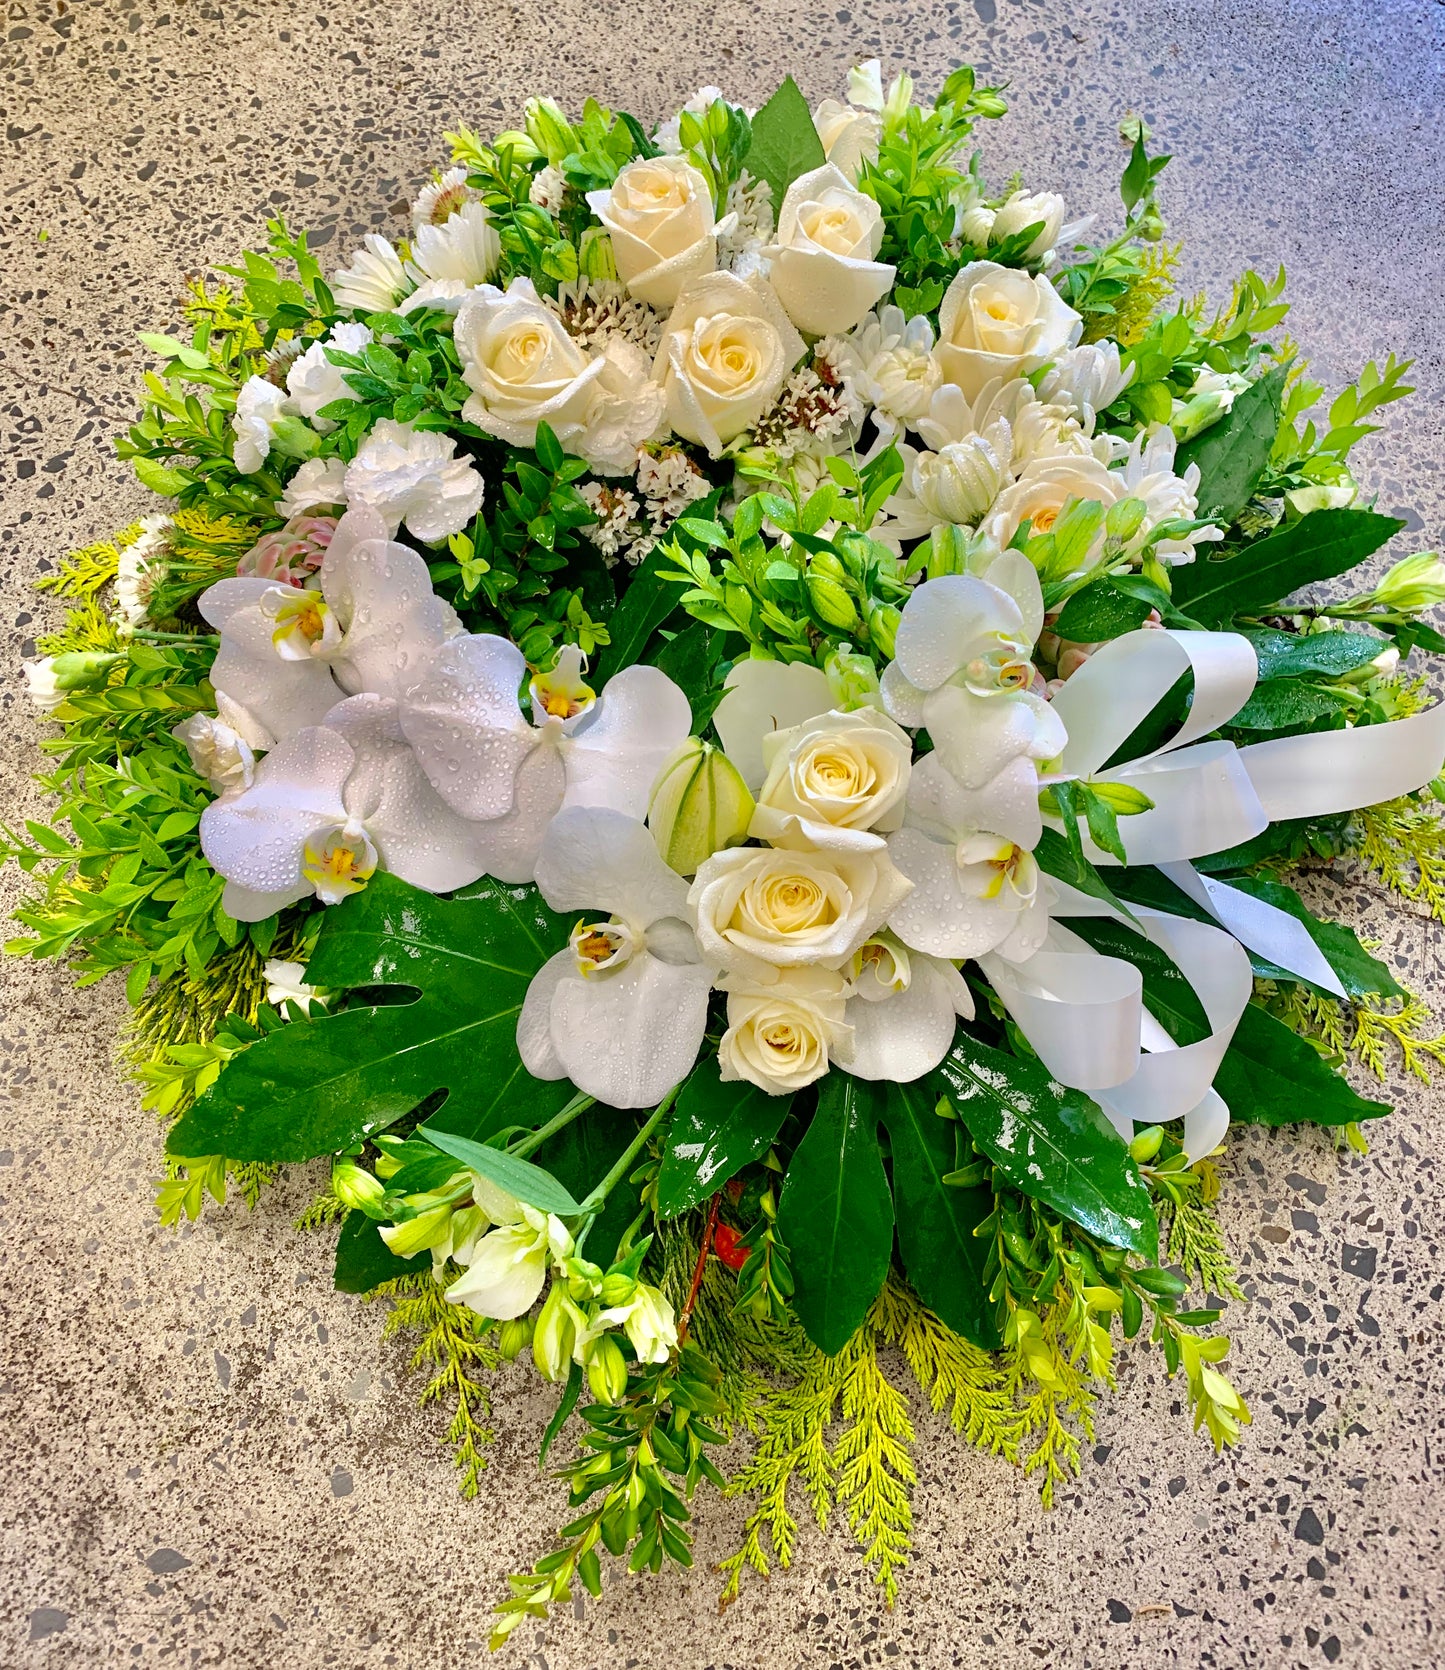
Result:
x=520 y=1178
x=785 y=142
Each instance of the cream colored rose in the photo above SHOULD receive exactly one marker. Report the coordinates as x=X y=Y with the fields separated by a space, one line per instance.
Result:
x=823 y=265
x=725 y=354
x=998 y=322
x=1043 y=490
x=780 y=1034
x=659 y=215
x=758 y=910
x=832 y=781
x=1024 y=209
x=849 y=135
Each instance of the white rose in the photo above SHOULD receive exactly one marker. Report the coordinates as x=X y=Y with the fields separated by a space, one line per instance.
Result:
x=823 y=265
x=832 y=780
x=313 y=381
x=1043 y=490
x=1025 y=209
x=997 y=322
x=779 y=1035
x=849 y=135
x=659 y=215
x=521 y=366
x=759 y=910
x=725 y=354
x=413 y=476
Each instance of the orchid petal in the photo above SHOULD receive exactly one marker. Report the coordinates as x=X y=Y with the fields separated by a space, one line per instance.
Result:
x=282 y=696
x=977 y=736
x=598 y=860
x=1015 y=574
x=902 y=700
x=513 y=840
x=762 y=697
x=534 y=1024
x=939 y=916
x=943 y=618
x=630 y=1037
x=1007 y=804
x=908 y=1034
x=244 y=904
x=615 y=753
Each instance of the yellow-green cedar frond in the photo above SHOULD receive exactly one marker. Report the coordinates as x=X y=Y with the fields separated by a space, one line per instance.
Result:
x=452 y=1347
x=199 y=529
x=1403 y=843
x=88 y=628
x=1054 y=1414
x=875 y=1474
x=85 y=571
x=1370 y=1028
x=1196 y=1245
x=325 y=1208
x=1149 y=286
x=951 y=1372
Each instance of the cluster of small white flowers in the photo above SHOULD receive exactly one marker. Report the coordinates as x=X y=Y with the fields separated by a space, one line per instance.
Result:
x=750 y=209
x=548 y=188
x=818 y=411
x=668 y=482
x=596 y=311
x=616 y=512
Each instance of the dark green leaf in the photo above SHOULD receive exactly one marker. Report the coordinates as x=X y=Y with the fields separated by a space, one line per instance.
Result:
x=568 y=1402
x=323 y=1083
x=716 y=1130
x=690 y=660
x=646 y=603
x=1055 y=858
x=835 y=1213
x=1327 y=654
x=364 y=1261
x=785 y=142
x=1232 y=454
x=1099 y=612
x=1279 y=704
x=1052 y=1143
x=520 y=1178
x=1271 y=1076
x=936 y=1221
x=1317 y=547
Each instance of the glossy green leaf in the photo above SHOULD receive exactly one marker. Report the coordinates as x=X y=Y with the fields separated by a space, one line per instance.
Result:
x=1052 y=1143
x=643 y=607
x=690 y=660
x=323 y=1083
x=1271 y=1076
x=1317 y=547
x=364 y=1261
x=716 y=1130
x=1232 y=454
x=580 y=1155
x=520 y=1178
x=835 y=1214
x=1279 y=704
x=1056 y=858
x=1100 y=612
x=785 y=143
x=1325 y=654
x=936 y=1221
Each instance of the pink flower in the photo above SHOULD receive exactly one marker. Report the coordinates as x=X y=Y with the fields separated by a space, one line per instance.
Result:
x=291 y=554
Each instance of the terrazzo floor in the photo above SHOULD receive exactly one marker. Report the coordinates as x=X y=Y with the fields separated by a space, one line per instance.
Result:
x=207 y=1456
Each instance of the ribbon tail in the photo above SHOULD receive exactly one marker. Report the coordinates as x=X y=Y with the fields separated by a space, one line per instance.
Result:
x=1326 y=772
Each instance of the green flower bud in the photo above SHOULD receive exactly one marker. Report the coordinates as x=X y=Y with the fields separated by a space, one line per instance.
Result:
x=584 y=1278
x=595 y=256
x=522 y=148
x=293 y=438
x=1146 y=1144
x=700 y=804
x=617 y=1288
x=555 y=1336
x=606 y=1370
x=1194 y=415
x=883 y=619
x=82 y=669
x=852 y=678
x=549 y=130
x=1416 y=582
x=355 y=1186
x=515 y=1336
x=831 y=603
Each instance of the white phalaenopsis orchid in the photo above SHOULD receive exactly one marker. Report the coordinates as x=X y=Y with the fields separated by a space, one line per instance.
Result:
x=488 y=761
x=963 y=670
x=969 y=855
x=327 y=807
x=288 y=655
x=622 y=1011
x=902 y=1011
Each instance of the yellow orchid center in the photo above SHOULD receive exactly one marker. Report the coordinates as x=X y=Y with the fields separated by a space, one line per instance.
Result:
x=601 y=947
x=304 y=623
x=339 y=865
x=562 y=694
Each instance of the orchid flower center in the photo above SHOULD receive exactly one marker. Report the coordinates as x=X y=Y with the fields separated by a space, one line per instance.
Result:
x=602 y=947
x=998 y=869
x=561 y=694
x=341 y=863
x=883 y=960
x=304 y=625
x=1004 y=670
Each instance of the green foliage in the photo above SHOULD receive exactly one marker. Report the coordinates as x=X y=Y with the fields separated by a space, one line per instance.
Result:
x=1234 y=453
x=785 y=143
x=1272 y=1076
x=328 y=1081
x=716 y=1130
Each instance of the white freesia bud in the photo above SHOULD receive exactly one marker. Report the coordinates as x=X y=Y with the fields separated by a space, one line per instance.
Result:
x=780 y=1033
x=1415 y=582
x=725 y=354
x=1024 y=209
x=823 y=260
x=659 y=214
x=997 y=322
x=426 y=1232
x=700 y=804
x=286 y=983
x=606 y=1370
x=354 y=1186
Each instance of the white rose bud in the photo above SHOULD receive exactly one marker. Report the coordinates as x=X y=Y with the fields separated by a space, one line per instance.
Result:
x=1025 y=209
x=823 y=265
x=725 y=354
x=998 y=322
x=779 y=1035
x=659 y=214
x=849 y=135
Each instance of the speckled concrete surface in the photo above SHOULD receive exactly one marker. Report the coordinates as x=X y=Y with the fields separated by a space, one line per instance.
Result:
x=207 y=1455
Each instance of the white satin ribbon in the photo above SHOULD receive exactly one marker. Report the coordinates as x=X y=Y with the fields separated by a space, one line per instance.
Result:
x=1326 y=772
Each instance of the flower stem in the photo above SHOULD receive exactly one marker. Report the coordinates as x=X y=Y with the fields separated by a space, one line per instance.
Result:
x=593 y=1203
x=559 y=1121
x=201 y=640
x=708 y=1229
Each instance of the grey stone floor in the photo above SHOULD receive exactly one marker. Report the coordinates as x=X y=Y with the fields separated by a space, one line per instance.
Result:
x=207 y=1456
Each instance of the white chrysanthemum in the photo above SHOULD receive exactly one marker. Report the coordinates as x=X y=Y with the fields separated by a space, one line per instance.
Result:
x=747 y=225
x=895 y=368
x=376 y=279
x=1148 y=474
x=137 y=572
x=462 y=249
x=1038 y=428
x=441 y=198
x=260 y=405
x=313 y=381
x=1086 y=379
x=414 y=476
x=548 y=187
